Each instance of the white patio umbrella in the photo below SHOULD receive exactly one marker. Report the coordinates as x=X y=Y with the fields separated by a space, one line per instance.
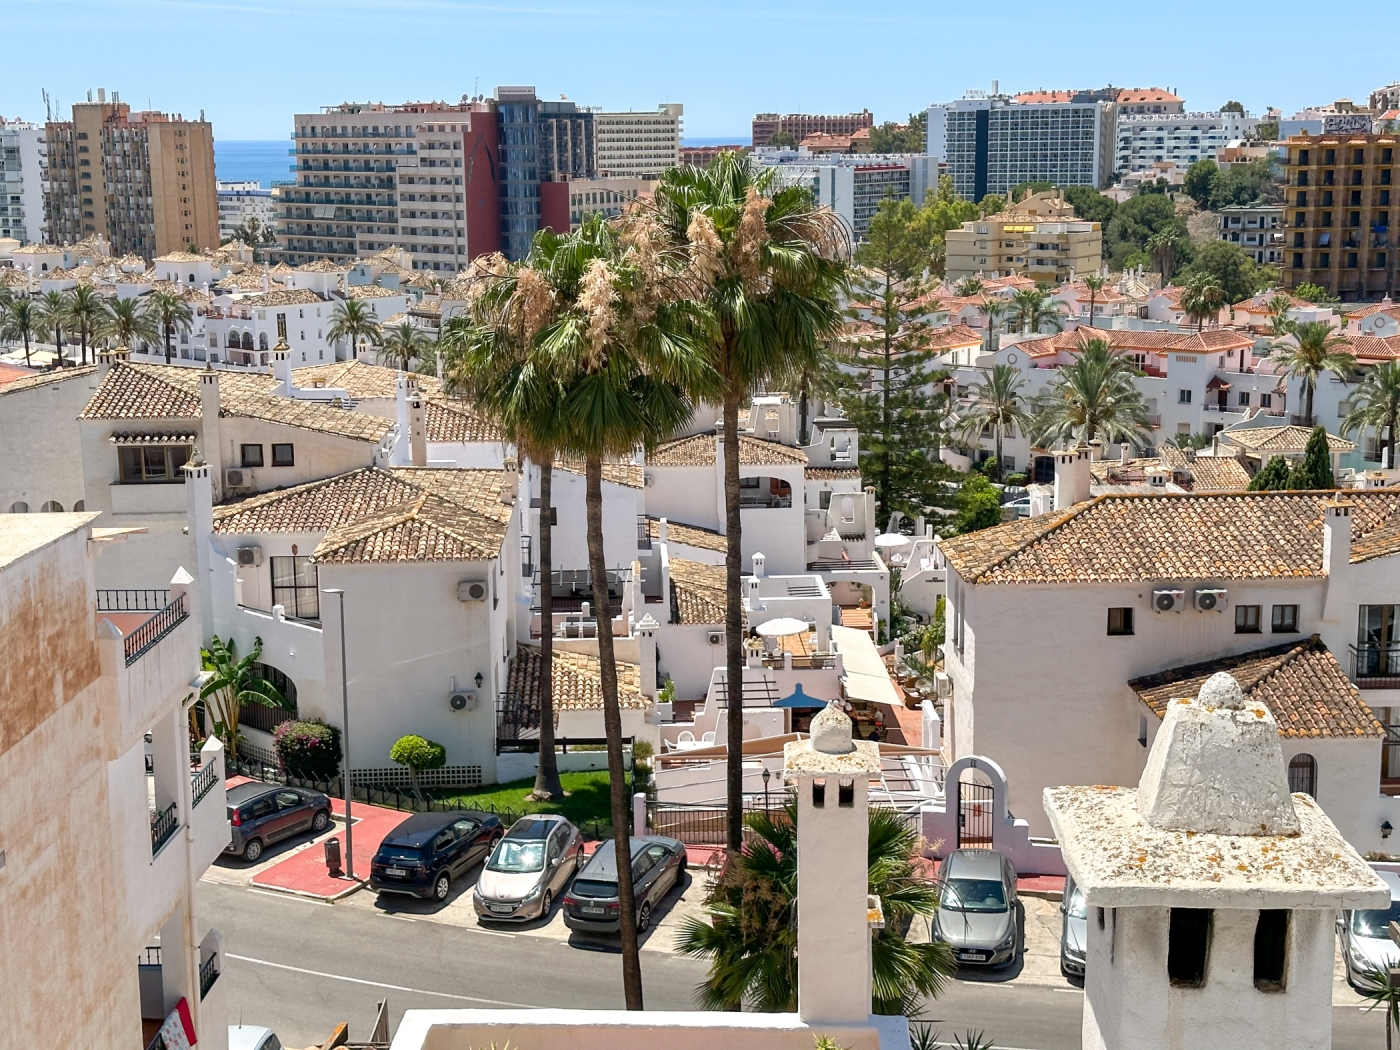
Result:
x=891 y=539
x=782 y=627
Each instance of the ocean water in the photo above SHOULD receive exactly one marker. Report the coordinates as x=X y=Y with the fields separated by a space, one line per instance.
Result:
x=239 y=160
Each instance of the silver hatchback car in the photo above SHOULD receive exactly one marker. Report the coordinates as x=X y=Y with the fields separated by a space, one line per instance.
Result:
x=528 y=869
x=978 y=908
x=1366 y=943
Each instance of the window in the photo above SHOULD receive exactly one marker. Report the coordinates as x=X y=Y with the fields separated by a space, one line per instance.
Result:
x=1244 y=398
x=1247 y=619
x=1271 y=949
x=1188 y=946
x=152 y=464
x=294 y=587
x=1302 y=774
x=824 y=499
x=1183 y=397
x=1120 y=621
x=252 y=455
x=1266 y=400
x=1285 y=619
x=282 y=456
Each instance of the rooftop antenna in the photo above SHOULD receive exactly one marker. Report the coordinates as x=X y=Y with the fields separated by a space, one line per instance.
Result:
x=48 y=105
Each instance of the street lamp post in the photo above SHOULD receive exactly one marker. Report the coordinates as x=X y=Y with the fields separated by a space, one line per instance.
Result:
x=766 y=775
x=346 y=788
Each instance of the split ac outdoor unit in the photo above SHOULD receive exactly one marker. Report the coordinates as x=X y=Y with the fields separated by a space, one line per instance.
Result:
x=237 y=478
x=942 y=684
x=462 y=701
x=1210 y=599
x=716 y=637
x=1168 y=601
x=250 y=556
x=471 y=591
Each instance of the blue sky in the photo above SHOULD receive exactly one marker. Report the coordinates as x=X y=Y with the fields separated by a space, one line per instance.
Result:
x=251 y=64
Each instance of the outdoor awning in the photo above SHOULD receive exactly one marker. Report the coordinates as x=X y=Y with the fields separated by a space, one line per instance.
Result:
x=161 y=438
x=1216 y=383
x=799 y=699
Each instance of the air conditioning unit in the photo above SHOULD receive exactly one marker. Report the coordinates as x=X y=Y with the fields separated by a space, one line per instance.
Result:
x=942 y=684
x=1210 y=599
x=237 y=478
x=251 y=556
x=716 y=637
x=1168 y=601
x=647 y=479
x=462 y=702
x=472 y=591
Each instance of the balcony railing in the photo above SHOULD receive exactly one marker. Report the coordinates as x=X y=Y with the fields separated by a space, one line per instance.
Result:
x=163 y=827
x=204 y=782
x=148 y=600
x=1376 y=666
x=145 y=637
x=770 y=502
x=208 y=974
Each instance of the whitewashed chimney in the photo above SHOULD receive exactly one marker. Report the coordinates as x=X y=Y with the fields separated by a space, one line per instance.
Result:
x=417 y=430
x=209 y=424
x=1072 y=477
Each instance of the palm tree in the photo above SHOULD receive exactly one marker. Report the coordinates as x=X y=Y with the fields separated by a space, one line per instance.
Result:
x=403 y=343
x=998 y=404
x=1376 y=403
x=1034 y=310
x=1202 y=299
x=353 y=320
x=770 y=270
x=1380 y=987
x=21 y=322
x=168 y=311
x=750 y=933
x=128 y=324
x=969 y=286
x=51 y=318
x=995 y=311
x=1093 y=398
x=1163 y=246
x=233 y=682
x=491 y=355
x=86 y=310
x=814 y=375
x=1094 y=283
x=1279 y=321
x=1316 y=348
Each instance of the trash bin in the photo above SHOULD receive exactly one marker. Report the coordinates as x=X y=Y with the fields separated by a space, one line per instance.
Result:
x=333 y=857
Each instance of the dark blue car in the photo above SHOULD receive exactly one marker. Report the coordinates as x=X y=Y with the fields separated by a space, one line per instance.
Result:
x=427 y=851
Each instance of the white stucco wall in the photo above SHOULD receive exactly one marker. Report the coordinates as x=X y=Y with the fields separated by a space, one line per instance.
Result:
x=40 y=428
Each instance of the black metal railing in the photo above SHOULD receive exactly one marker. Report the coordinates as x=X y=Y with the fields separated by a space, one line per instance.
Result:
x=145 y=637
x=204 y=782
x=208 y=974
x=264 y=717
x=1376 y=666
x=164 y=824
x=701 y=824
x=643 y=533
x=148 y=600
x=150 y=956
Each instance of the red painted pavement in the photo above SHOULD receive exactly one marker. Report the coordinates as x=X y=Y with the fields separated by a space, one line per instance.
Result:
x=305 y=872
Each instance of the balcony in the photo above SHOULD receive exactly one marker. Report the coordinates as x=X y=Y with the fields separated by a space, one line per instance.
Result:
x=148 y=635
x=1375 y=666
x=164 y=824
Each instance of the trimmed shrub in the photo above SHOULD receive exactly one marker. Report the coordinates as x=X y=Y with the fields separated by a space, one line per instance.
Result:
x=310 y=750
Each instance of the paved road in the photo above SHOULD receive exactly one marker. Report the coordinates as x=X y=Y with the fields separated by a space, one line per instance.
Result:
x=301 y=967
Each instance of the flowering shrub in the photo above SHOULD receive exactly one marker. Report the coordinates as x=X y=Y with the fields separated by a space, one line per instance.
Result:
x=310 y=750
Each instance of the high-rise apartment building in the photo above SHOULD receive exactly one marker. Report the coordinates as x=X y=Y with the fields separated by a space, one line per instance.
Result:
x=1340 y=198
x=22 y=158
x=1148 y=140
x=800 y=125
x=853 y=185
x=240 y=202
x=991 y=143
x=421 y=176
x=639 y=145
x=143 y=180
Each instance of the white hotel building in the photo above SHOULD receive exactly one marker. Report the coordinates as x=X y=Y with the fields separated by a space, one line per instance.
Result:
x=1147 y=140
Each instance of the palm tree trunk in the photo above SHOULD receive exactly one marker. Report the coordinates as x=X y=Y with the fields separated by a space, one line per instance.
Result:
x=1390 y=437
x=1000 y=470
x=733 y=629
x=612 y=727
x=1308 y=401
x=26 y=349
x=547 y=783
x=169 y=349
x=802 y=412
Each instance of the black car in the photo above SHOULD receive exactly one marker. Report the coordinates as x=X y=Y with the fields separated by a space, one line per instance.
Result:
x=261 y=814
x=427 y=851
x=591 y=905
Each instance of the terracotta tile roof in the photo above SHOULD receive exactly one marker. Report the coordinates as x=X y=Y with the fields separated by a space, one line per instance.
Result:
x=453 y=420
x=627 y=474
x=1280 y=439
x=1218 y=474
x=325 y=266
x=140 y=391
x=1374 y=348
x=1301 y=683
x=13 y=373
x=360 y=380
x=370 y=291
x=31 y=379
x=182 y=257
x=697 y=592
x=376 y=515
x=699 y=451
x=1041 y=97
x=250 y=280
x=576 y=679
x=958 y=335
x=1145 y=95
x=1259 y=302
x=1129 y=538
x=689 y=535
x=37 y=249
x=283 y=297
x=833 y=473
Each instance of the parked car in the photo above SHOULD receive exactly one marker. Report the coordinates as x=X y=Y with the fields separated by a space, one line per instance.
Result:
x=252 y=1037
x=1021 y=506
x=977 y=908
x=591 y=905
x=261 y=814
x=1366 y=942
x=528 y=868
x=427 y=851
x=1073 y=930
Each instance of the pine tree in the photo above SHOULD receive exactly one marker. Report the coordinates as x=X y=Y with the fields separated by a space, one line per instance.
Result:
x=1315 y=471
x=1272 y=477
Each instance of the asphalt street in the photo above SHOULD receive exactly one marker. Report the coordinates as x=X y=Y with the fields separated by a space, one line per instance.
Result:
x=301 y=967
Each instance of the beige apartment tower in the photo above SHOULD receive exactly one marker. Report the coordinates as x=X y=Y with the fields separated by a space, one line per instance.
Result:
x=1039 y=237
x=144 y=181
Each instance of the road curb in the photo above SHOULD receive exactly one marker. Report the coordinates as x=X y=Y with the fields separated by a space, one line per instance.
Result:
x=271 y=888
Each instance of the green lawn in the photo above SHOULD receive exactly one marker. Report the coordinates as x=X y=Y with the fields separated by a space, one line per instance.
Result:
x=585 y=800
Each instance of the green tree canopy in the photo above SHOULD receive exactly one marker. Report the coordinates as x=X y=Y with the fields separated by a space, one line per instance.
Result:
x=1232 y=107
x=978 y=504
x=1314 y=470
x=900 y=138
x=783 y=139
x=1232 y=268
x=1315 y=293
x=1272 y=477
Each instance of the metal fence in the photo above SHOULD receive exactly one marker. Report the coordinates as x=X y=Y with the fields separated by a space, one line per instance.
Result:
x=144 y=638
x=163 y=825
x=706 y=824
x=204 y=782
x=208 y=974
x=128 y=600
